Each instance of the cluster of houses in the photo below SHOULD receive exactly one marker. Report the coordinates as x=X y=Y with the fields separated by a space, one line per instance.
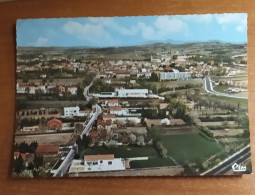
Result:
x=117 y=72
x=28 y=88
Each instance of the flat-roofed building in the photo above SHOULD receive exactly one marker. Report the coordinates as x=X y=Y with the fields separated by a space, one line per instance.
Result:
x=105 y=162
x=73 y=111
x=175 y=76
x=132 y=93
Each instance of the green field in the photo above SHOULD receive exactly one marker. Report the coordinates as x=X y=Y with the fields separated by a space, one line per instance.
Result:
x=190 y=147
x=183 y=148
x=152 y=162
x=221 y=89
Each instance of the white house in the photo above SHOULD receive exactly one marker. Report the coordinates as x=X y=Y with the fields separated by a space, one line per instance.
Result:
x=117 y=110
x=72 y=111
x=105 y=162
x=113 y=102
x=32 y=89
x=20 y=88
x=132 y=81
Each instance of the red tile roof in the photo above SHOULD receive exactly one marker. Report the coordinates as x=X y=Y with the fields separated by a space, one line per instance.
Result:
x=55 y=121
x=108 y=122
x=103 y=123
x=115 y=108
x=103 y=133
x=113 y=101
x=99 y=157
x=93 y=133
x=47 y=149
x=108 y=116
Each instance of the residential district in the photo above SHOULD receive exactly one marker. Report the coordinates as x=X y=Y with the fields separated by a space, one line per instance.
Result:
x=158 y=109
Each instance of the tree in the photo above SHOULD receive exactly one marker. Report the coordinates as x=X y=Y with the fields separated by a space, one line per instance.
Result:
x=33 y=146
x=80 y=93
x=78 y=128
x=38 y=161
x=154 y=77
x=155 y=132
x=19 y=164
x=243 y=121
x=161 y=149
x=140 y=140
x=132 y=137
x=111 y=144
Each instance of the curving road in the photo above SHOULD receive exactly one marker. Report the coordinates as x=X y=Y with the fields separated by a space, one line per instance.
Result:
x=209 y=89
x=86 y=89
x=98 y=111
x=63 y=168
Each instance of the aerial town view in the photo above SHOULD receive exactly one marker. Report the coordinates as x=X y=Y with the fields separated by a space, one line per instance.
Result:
x=132 y=96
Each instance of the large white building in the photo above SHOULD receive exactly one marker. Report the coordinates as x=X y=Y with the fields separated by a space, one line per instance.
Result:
x=132 y=92
x=176 y=75
x=96 y=163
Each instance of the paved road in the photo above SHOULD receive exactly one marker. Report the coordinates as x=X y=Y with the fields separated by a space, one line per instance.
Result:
x=88 y=127
x=86 y=89
x=98 y=111
x=63 y=168
x=209 y=89
x=226 y=166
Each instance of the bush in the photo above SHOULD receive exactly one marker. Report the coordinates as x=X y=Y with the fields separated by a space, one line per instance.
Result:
x=161 y=149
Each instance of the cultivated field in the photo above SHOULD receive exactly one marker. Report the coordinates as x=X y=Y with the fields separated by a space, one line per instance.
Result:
x=46 y=139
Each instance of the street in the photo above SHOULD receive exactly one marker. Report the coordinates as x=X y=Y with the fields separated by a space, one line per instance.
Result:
x=63 y=168
x=209 y=89
x=91 y=121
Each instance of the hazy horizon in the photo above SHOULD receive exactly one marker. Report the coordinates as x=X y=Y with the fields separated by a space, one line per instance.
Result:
x=104 y=32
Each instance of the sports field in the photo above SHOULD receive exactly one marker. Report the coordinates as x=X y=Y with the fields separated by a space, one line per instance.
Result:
x=152 y=162
x=190 y=147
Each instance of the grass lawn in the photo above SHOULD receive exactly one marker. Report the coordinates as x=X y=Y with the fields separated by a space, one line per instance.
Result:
x=190 y=147
x=122 y=151
x=152 y=162
x=221 y=89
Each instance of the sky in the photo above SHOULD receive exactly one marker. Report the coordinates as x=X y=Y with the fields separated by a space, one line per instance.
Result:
x=128 y=31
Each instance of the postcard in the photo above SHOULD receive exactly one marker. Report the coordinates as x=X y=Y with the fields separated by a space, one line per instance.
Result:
x=132 y=96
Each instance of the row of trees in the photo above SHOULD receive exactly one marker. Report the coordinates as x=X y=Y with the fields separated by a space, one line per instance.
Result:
x=24 y=147
x=155 y=132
